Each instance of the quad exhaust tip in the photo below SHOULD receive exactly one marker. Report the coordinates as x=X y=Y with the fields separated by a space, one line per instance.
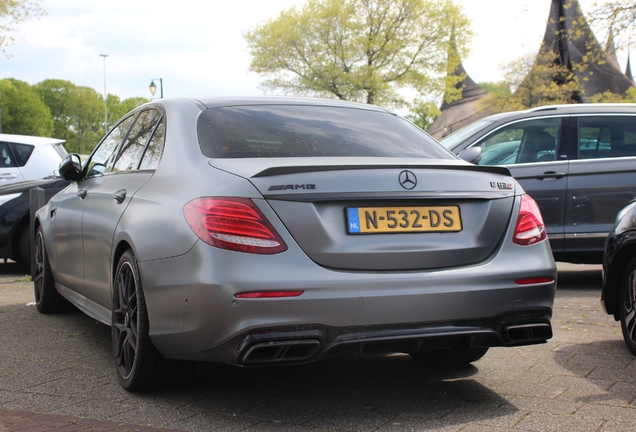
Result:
x=281 y=351
x=527 y=333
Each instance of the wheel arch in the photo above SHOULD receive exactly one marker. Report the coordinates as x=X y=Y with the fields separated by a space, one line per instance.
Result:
x=122 y=247
x=23 y=223
x=614 y=278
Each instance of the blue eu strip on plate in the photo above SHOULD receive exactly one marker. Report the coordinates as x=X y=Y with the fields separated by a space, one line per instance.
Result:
x=353 y=220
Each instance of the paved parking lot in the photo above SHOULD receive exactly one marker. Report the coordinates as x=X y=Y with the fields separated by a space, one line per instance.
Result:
x=56 y=373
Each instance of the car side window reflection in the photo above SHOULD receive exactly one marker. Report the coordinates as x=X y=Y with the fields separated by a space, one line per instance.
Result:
x=135 y=144
x=607 y=137
x=154 y=149
x=523 y=142
x=102 y=159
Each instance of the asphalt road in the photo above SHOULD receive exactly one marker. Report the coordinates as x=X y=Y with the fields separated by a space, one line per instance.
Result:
x=56 y=373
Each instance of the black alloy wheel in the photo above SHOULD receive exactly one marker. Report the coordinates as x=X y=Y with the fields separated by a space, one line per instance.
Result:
x=628 y=306
x=139 y=365
x=47 y=299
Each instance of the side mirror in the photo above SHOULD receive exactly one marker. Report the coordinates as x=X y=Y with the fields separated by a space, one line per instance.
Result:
x=71 y=167
x=471 y=154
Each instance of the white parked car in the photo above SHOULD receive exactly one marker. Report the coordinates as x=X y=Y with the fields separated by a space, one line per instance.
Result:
x=29 y=157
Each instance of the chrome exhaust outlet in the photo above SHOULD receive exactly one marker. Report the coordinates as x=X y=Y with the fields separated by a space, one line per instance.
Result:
x=527 y=333
x=280 y=351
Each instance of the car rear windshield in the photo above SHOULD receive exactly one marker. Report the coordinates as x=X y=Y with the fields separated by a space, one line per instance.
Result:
x=311 y=131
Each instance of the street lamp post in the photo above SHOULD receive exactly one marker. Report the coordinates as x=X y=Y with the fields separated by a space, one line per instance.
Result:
x=153 y=87
x=105 y=107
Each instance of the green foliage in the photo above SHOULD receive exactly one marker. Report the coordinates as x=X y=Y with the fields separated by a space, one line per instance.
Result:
x=532 y=81
x=60 y=109
x=57 y=94
x=423 y=115
x=23 y=112
x=360 y=50
x=13 y=12
x=615 y=15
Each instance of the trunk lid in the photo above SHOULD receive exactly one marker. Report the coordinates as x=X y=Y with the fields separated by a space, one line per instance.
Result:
x=391 y=216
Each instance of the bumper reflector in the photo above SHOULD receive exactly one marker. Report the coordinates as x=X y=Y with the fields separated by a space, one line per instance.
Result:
x=269 y=294
x=531 y=281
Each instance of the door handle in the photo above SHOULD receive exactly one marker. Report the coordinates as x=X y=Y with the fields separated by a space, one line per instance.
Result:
x=550 y=175
x=82 y=193
x=8 y=175
x=120 y=196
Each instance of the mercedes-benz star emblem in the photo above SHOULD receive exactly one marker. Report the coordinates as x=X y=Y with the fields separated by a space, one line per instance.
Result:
x=407 y=179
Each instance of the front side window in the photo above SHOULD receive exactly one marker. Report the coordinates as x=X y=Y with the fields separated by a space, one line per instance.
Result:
x=265 y=131
x=607 y=136
x=103 y=157
x=522 y=142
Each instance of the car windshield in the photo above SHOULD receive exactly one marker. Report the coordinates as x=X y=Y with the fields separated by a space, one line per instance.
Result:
x=456 y=138
x=311 y=131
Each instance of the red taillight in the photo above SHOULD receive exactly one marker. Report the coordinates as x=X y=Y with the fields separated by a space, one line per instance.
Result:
x=532 y=281
x=233 y=223
x=269 y=294
x=530 y=228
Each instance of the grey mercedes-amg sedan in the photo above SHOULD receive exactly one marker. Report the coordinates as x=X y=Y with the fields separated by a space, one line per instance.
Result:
x=269 y=231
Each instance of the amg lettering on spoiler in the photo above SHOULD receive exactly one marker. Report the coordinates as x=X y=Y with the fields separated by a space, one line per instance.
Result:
x=291 y=187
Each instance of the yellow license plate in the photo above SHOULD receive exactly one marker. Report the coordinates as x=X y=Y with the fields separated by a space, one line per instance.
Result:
x=371 y=220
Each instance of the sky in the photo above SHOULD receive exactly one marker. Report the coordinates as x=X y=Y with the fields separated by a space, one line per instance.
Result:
x=197 y=47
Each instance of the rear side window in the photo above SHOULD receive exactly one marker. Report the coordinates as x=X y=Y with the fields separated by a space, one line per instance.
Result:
x=21 y=153
x=522 y=142
x=607 y=136
x=135 y=144
x=311 y=131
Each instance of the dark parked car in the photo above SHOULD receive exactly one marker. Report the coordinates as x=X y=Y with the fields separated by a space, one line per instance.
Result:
x=270 y=231
x=577 y=161
x=619 y=274
x=15 y=216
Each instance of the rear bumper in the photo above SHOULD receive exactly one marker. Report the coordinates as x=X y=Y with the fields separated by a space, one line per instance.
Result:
x=303 y=344
x=194 y=313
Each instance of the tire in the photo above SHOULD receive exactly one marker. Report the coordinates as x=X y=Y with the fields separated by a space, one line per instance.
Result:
x=24 y=248
x=47 y=299
x=628 y=306
x=138 y=364
x=449 y=357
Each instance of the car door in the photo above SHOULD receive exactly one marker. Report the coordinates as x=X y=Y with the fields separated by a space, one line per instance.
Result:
x=534 y=152
x=69 y=209
x=106 y=199
x=602 y=180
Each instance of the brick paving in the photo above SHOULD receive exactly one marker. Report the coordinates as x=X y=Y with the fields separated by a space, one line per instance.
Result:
x=56 y=373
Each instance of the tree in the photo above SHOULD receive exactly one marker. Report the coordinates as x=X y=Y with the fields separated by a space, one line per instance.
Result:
x=13 y=12
x=532 y=81
x=423 y=114
x=360 y=50
x=615 y=15
x=57 y=95
x=22 y=110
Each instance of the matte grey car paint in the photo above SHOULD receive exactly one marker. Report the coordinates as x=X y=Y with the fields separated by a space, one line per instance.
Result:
x=579 y=198
x=357 y=289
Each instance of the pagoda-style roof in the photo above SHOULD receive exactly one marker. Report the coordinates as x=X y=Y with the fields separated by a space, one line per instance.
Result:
x=569 y=36
x=463 y=111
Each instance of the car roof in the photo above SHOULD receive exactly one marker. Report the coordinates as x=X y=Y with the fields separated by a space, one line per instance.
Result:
x=27 y=139
x=221 y=101
x=585 y=108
